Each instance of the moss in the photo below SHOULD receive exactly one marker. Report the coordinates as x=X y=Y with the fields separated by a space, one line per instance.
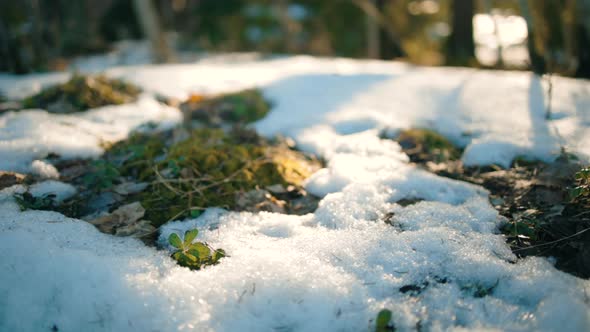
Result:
x=83 y=92
x=293 y=166
x=207 y=169
x=189 y=170
x=136 y=156
x=427 y=145
x=241 y=107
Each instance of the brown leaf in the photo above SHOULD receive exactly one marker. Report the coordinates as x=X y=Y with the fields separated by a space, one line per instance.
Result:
x=125 y=215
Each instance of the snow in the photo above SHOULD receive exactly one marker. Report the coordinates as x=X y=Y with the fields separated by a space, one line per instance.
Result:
x=496 y=115
x=61 y=190
x=330 y=270
x=44 y=169
x=30 y=135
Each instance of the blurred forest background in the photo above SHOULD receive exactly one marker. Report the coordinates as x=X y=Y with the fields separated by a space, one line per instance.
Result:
x=546 y=36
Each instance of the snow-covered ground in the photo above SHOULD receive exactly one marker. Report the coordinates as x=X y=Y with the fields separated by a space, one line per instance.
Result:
x=331 y=270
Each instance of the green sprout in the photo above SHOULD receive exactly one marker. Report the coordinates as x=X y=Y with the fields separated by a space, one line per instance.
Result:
x=193 y=255
x=27 y=201
x=383 y=321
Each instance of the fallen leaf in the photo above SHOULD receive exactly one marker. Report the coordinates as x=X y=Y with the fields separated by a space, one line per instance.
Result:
x=124 y=216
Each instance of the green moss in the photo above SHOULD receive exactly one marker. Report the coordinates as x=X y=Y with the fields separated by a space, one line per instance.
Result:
x=136 y=156
x=427 y=145
x=581 y=192
x=208 y=169
x=241 y=107
x=83 y=92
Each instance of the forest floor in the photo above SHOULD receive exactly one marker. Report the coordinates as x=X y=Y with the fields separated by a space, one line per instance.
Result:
x=324 y=192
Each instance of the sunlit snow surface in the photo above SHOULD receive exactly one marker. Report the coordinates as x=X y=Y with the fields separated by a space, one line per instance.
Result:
x=331 y=270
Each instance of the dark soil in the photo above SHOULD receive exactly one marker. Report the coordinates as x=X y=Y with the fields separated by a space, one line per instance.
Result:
x=534 y=196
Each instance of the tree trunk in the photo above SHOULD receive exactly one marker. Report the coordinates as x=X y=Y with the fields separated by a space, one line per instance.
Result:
x=583 y=38
x=389 y=43
x=460 y=46
x=537 y=60
x=148 y=19
x=39 y=59
x=373 y=39
x=289 y=27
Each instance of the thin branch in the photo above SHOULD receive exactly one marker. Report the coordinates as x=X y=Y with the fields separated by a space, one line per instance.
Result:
x=553 y=242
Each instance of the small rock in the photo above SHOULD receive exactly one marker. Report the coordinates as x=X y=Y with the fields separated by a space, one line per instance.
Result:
x=259 y=200
x=276 y=189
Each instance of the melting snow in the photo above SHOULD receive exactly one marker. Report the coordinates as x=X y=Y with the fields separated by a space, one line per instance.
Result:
x=331 y=270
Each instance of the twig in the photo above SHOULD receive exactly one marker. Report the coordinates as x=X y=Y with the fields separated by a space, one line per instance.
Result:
x=160 y=177
x=548 y=111
x=553 y=242
x=581 y=214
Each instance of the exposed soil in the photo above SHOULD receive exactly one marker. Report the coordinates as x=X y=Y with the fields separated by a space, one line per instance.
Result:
x=535 y=197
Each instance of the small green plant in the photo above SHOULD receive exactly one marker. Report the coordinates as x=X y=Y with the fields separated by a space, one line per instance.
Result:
x=479 y=290
x=423 y=145
x=102 y=176
x=581 y=192
x=193 y=255
x=26 y=201
x=383 y=321
x=523 y=228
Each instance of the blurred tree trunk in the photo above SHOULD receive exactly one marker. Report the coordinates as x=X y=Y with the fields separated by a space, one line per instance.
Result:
x=289 y=26
x=582 y=30
x=554 y=48
x=39 y=59
x=148 y=19
x=537 y=60
x=373 y=38
x=6 y=63
x=389 y=41
x=460 y=45
x=390 y=47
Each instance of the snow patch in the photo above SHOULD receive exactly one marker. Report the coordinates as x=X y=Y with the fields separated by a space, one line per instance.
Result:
x=44 y=169
x=31 y=134
x=62 y=191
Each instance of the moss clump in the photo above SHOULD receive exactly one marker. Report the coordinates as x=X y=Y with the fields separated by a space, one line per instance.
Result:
x=136 y=156
x=423 y=145
x=207 y=169
x=580 y=193
x=234 y=108
x=83 y=92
